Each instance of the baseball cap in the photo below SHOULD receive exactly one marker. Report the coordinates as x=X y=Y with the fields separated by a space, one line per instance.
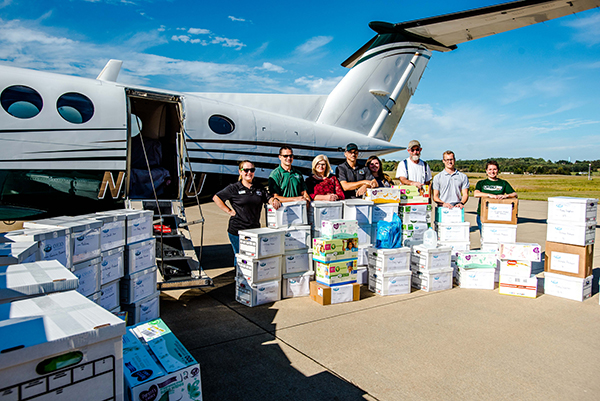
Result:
x=413 y=143
x=351 y=146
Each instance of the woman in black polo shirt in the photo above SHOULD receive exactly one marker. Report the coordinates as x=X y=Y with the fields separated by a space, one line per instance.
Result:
x=246 y=199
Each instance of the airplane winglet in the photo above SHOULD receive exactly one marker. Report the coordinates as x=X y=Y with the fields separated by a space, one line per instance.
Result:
x=110 y=72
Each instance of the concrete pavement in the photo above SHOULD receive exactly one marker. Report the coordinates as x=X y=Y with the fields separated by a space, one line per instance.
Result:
x=456 y=344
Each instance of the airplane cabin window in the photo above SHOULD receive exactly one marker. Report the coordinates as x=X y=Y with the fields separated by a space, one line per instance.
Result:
x=21 y=101
x=75 y=107
x=221 y=124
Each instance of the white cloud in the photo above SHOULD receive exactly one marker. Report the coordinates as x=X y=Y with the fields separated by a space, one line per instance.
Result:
x=313 y=44
x=318 y=85
x=228 y=42
x=180 y=38
x=551 y=86
x=162 y=28
x=272 y=67
x=236 y=19
x=5 y=3
x=198 y=31
x=587 y=29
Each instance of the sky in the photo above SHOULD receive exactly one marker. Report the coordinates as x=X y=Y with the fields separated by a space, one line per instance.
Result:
x=531 y=92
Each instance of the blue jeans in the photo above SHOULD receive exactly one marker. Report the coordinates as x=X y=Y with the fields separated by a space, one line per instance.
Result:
x=479 y=223
x=235 y=244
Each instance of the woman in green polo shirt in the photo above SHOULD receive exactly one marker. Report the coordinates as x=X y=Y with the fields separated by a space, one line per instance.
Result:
x=492 y=187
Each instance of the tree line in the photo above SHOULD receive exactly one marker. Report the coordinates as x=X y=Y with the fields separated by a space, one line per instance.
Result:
x=522 y=165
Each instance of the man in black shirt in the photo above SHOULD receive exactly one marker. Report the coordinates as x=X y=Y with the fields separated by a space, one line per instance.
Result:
x=354 y=178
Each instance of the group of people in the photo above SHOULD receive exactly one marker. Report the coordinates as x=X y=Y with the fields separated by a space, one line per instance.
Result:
x=287 y=184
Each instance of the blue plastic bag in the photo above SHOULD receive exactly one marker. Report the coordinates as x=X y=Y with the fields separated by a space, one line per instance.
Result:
x=389 y=234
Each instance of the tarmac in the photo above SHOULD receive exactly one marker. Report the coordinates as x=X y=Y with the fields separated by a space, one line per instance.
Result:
x=459 y=344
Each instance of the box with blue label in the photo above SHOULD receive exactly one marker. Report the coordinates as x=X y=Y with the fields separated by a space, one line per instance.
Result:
x=433 y=280
x=326 y=295
x=257 y=294
x=12 y=253
x=53 y=243
x=138 y=223
x=385 y=212
x=386 y=261
x=445 y=215
x=327 y=250
x=157 y=364
x=572 y=210
x=112 y=266
x=137 y=286
x=88 y=273
x=288 y=214
x=324 y=210
x=336 y=273
x=143 y=310
x=113 y=231
x=358 y=209
x=296 y=238
x=262 y=242
x=477 y=278
x=140 y=255
x=256 y=270
x=570 y=260
x=574 y=288
x=415 y=213
x=424 y=258
x=396 y=283
x=453 y=232
x=297 y=261
x=499 y=211
x=296 y=284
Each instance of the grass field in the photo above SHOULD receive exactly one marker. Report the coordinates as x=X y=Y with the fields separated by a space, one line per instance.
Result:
x=541 y=187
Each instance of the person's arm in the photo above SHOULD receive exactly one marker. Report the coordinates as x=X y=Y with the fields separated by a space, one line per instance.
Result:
x=406 y=181
x=463 y=199
x=436 y=199
x=223 y=206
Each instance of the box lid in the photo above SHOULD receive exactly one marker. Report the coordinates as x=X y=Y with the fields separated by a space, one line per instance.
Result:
x=16 y=252
x=34 y=234
x=571 y=199
x=17 y=281
x=357 y=202
x=326 y=204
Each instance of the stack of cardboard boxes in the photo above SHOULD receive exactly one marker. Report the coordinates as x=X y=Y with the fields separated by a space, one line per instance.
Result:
x=570 y=241
x=515 y=262
x=389 y=271
x=417 y=219
x=498 y=222
x=476 y=269
x=431 y=268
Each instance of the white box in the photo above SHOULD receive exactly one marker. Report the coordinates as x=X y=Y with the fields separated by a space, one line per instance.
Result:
x=113 y=231
x=53 y=243
x=339 y=229
x=37 y=278
x=362 y=275
x=12 y=253
x=109 y=295
x=140 y=255
x=297 y=261
x=257 y=294
x=385 y=212
x=289 y=214
x=390 y=284
x=572 y=210
x=457 y=232
x=388 y=261
x=516 y=268
x=95 y=297
x=415 y=213
x=568 y=233
x=67 y=330
x=482 y=279
x=296 y=238
x=412 y=233
x=261 y=242
x=112 y=266
x=520 y=251
x=445 y=215
x=462 y=246
x=574 y=288
x=490 y=246
x=296 y=284
x=363 y=255
x=429 y=281
x=518 y=286
x=431 y=258
x=139 y=223
x=138 y=285
x=359 y=210
x=496 y=233
x=324 y=210
x=143 y=310
x=256 y=270
x=365 y=234
x=477 y=259
x=167 y=365
x=88 y=273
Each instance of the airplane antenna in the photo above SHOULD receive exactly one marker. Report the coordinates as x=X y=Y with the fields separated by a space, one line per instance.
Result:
x=110 y=71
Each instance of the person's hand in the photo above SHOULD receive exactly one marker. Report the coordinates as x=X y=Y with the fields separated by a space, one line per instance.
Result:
x=333 y=197
x=417 y=184
x=276 y=203
x=447 y=205
x=374 y=183
x=361 y=191
x=459 y=206
x=231 y=212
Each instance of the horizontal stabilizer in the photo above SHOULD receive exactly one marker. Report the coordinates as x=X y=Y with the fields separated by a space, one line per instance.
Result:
x=110 y=71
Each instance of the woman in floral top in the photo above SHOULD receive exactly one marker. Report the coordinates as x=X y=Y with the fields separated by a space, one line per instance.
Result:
x=321 y=186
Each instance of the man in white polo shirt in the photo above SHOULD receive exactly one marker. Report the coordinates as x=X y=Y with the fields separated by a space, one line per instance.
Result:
x=450 y=187
x=413 y=170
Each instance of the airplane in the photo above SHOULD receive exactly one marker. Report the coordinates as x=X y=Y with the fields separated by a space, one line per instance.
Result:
x=73 y=145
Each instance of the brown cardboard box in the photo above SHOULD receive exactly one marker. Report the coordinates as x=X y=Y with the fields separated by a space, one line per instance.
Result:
x=488 y=203
x=569 y=260
x=326 y=295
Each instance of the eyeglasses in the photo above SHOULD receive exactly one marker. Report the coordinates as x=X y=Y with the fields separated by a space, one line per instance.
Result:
x=448 y=160
x=414 y=150
x=321 y=164
x=287 y=156
x=353 y=152
x=249 y=170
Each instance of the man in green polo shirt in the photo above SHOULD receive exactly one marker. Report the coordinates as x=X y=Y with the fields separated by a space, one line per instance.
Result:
x=286 y=183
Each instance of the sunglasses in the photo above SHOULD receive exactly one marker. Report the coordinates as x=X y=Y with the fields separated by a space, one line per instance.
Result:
x=249 y=170
x=287 y=156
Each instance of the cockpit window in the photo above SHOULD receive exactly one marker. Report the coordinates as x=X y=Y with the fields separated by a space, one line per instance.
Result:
x=21 y=101
x=221 y=124
x=75 y=107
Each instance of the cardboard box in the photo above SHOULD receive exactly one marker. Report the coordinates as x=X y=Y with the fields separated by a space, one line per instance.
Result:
x=336 y=273
x=568 y=233
x=88 y=273
x=358 y=209
x=255 y=270
x=297 y=261
x=140 y=255
x=411 y=195
x=296 y=238
x=296 y=284
x=61 y=346
x=53 y=243
x=324 y=210
x=289 y=214
x=431 y=258
x=477 y=259
x=433 y=280
x=458 y=232
x=572 y=210
x=37 y=278
x=391 y=283
x=143 y=310
x=257 y=294
x=490 y=246
x=152 y=348
x=113 y=232
x=112 y=265
x=445 y=215
x=415 y=213
x=499 y=211
x=385 y=212
x=515 y=268
x=262 y=242
x=482 y=279
x=109 y=295
x=137 y=286
x=496 y=233
x=460 y=246
x=326 y=295
x=139 y=223
x=328 y=250
x=12 y=253
x=520 y=251
x=570 y=260
x=365 y=234
x=339 y=229
x=387 y=261
x=574 y=288
x=383 y=195
x=518 y=286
